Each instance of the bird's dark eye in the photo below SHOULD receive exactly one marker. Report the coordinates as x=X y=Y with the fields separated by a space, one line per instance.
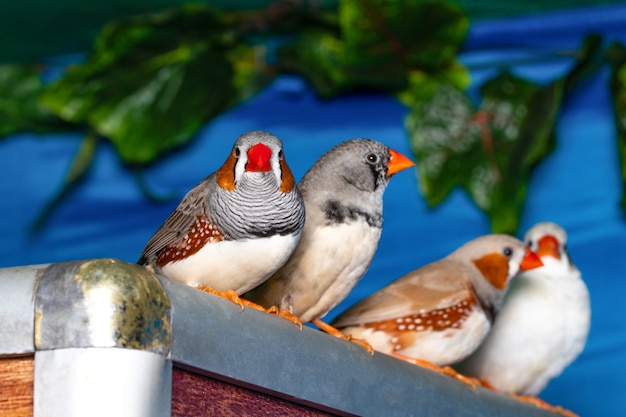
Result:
x=507 y=252
x=372 y=158
x=237 y=152
x=529 y=243
x=280 y=155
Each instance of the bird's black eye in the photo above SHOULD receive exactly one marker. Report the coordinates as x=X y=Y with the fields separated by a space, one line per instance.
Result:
x=507 y=252
x=237 y=152
x=280 y=155
x=372 y=158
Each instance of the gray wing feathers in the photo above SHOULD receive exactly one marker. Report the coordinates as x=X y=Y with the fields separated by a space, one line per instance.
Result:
x=179 y=222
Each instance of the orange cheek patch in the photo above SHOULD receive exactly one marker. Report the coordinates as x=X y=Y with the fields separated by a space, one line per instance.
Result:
x=288 y=182
x=226 y=174
x=201 y=233
x=404 y=330
x=495 y=268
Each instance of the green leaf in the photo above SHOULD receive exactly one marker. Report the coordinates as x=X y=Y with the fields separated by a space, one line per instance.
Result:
x=422 y=85
x=20 y=110
x=617 y=57
x=589 y=59
x=521 y=117
x=489 y=151
x=441 y=138
x=332 y=70
x=152 y=81
x=413 y=35
x=379 y=45
x=251 y=72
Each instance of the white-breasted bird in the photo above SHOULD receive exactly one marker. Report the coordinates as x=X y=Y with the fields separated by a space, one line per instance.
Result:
x=343 y=195
x=543 y=324
x=235 y=228
x=439 y=314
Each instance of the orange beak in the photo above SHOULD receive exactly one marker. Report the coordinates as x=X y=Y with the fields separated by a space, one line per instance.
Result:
x=531 y=261
x=549 y=246
x=398 y=162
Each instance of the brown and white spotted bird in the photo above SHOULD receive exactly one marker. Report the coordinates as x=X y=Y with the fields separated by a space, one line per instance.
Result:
x=235 y=228
x=440 y=313
x=343 y=194
x=543 y=324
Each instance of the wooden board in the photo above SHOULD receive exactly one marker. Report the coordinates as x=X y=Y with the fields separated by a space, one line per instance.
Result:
x=16 y=386
x=195 y=395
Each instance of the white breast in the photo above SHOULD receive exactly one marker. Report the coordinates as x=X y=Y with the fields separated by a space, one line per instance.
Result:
x=235 y=265
x=541 y=329
x=338 y=256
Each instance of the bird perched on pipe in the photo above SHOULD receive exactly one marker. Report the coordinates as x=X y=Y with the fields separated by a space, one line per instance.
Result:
x=440 y=313
x=235 y=228
x=543 y=324
x=343 y=194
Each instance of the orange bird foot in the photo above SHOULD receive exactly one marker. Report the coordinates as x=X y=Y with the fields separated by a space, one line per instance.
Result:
x=275 y=311
x=337 y=333
x=537 y=402
x=446 y=370
x=242 y=302
x=485 y=383
x=228 y=294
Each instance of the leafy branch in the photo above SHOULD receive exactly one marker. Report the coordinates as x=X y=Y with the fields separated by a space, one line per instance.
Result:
x=152 y=81
x=617 y=57
x=490 y=151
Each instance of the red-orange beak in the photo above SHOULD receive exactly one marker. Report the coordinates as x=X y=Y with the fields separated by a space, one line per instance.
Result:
x=398 y=162
x=549 y=246
x=531 y=261
x=259 y=158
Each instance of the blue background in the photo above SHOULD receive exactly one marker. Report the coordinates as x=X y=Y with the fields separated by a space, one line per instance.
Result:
x=577 y=186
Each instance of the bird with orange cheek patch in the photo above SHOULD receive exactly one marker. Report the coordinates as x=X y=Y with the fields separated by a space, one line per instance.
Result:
x=236 y=227
x=440 y=313
x=543 y=324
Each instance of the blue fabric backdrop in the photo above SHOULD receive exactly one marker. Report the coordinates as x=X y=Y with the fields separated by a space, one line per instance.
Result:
x=577 y=186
